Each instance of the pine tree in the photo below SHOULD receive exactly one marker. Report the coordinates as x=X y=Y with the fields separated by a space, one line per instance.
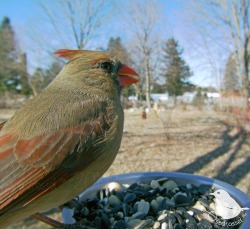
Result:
x=24 y=78
x=36 y=81
x=41 y=78
x=176 y=72
x=231 y=78
x=9 y=77
x=116 y=49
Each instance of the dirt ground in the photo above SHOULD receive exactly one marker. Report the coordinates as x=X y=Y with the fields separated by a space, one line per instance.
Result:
x=182 y=141
x=185 y=141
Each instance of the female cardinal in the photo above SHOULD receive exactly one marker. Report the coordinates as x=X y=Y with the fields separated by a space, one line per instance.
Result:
x=63 y=140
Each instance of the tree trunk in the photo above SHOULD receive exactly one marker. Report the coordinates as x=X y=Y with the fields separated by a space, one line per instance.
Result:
x=147 y=89
x=246 y=89
x=24 y=75
x=246 y=73
x=240 y=39
x=33 y=88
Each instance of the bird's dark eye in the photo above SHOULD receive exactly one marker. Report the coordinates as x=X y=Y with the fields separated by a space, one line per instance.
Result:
x=107 y=66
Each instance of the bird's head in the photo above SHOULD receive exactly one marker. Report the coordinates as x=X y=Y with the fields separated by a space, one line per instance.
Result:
x=93 y=67
x=220 y=194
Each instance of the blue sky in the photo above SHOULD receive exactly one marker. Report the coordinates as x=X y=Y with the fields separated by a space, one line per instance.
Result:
x=19 y=11
x=26 y=14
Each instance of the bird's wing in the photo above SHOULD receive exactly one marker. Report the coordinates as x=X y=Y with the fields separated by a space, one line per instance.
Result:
x=29 y=168
x=1 y=125
x=230 y=204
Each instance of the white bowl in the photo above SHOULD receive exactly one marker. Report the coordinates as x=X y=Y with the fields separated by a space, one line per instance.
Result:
x=180 y=178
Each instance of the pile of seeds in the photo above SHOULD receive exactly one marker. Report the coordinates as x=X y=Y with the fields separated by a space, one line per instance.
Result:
x=161 y=204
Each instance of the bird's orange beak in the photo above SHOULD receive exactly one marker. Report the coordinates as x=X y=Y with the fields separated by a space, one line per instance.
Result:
x=125 y=76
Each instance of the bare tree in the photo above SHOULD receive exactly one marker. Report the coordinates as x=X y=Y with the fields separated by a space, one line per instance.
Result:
x=70 y=24
x=226 y=24
x=238 y=21
x=63 y=24
x=143 y=20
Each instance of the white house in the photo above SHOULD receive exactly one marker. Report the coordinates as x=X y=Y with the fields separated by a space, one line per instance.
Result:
x=159 y=97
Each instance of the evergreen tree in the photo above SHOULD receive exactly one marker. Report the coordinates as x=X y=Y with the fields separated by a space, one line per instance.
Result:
x=9 y=77
x=41 y=78
x=52 y=72
x=176 y=72
x=116 y=49
x=36 y=81
x=158 y=88
x=231 y=78
x=24 y=78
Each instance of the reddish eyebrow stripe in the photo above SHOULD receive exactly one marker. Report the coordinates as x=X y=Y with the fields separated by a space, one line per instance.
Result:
x=99 y=59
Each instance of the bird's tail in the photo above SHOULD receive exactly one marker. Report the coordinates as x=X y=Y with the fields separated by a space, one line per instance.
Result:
x=244 y=208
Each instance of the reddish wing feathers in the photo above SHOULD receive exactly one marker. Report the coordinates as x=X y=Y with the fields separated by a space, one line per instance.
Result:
x=31 y=169
x=43 y=149
x=1 y=125
x=37 y=172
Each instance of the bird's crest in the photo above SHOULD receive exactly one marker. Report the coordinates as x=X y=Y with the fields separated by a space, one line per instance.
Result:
x=67 y=53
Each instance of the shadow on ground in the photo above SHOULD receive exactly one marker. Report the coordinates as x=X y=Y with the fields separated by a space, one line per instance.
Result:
x=230 y=171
